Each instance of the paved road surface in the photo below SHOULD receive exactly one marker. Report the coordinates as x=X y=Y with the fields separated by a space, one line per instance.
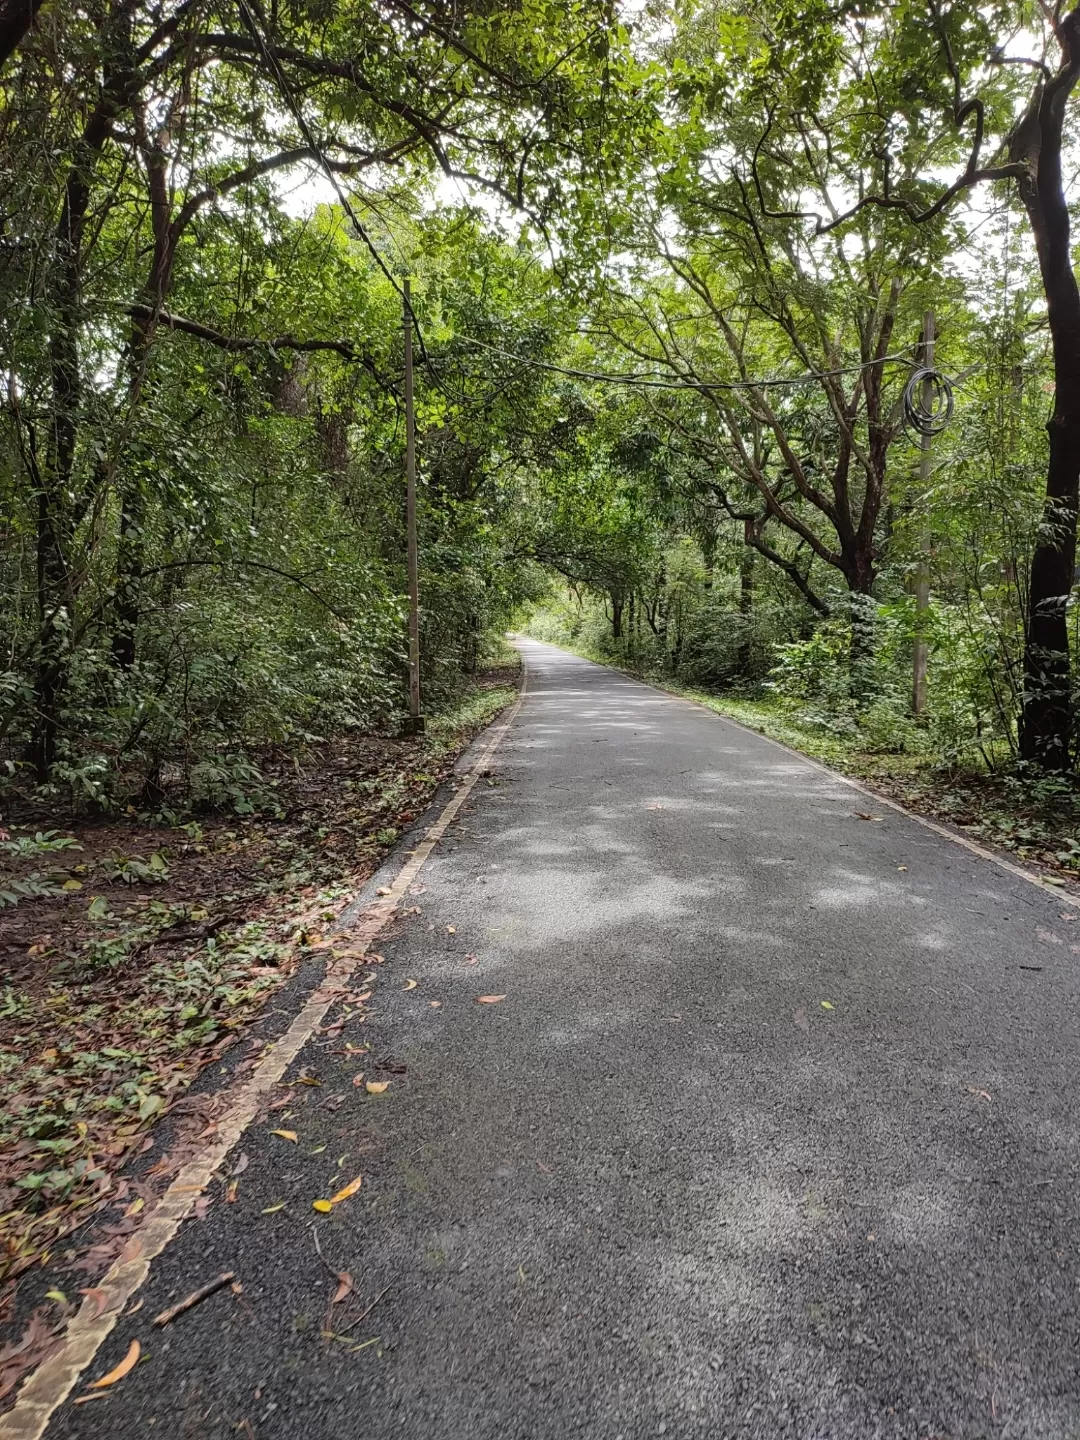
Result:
x=773 y=1135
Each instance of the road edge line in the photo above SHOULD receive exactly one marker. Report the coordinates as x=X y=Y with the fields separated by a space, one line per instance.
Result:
x=52 y=1382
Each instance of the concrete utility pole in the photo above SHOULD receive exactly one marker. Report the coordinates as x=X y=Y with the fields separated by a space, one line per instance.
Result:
x=416 y=719
x=922 y=572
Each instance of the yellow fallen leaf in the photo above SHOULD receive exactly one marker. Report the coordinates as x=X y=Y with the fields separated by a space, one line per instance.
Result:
x=489 y=999
x=273 y=1209
x=826 y=1005
x=410 y=984
x=72 y=885
x=130 y=1360
x=135 y=1207
x=376 y=1087
x=346 y=1190
x=285 y=1134
x=323 y=1206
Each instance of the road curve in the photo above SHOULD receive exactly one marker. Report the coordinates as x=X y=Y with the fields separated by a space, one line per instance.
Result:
x=774 y=1133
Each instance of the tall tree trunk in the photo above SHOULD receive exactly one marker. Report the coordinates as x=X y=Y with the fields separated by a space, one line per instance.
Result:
x=616 y=618
x=746 y=607
x=16 y=17
x=60 y=498
x=1046 y=729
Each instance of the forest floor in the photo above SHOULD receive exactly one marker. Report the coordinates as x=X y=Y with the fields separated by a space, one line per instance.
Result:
x=151 y=949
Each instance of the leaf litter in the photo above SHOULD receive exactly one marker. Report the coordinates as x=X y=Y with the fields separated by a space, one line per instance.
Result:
x=116 y=995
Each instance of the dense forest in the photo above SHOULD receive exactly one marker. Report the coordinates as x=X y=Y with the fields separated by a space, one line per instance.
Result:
x=670 y=272
x=747 y=356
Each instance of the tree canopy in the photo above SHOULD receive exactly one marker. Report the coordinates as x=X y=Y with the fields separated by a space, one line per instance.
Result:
x=670 y=266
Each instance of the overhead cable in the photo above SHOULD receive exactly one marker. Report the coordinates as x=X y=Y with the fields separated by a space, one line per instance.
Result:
x=309 y=139
x=928 y=401
x=652 y=382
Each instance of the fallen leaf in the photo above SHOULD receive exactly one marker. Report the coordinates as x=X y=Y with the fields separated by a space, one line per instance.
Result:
x=346 y=1190
x=1048 y=937
x=901 y=867
x=979 y=1094
x=376 y=1087
x=451 y=929
x=865 y=815
x=410 y=984
x=801 y=1020
x=230 y=1191
x=243 y=1160
x=489 y=999
x=202 y=1205
x=134 y=1208
x=289 y=1135
x=471 y=960
x=363 y=997
x=71 y=885
x=85 y=1399
x=383 y=890
x=435 y=1004
x=273 y=1209
x=323 y=1206
x=130 y=1360
x=345 y=1285
x=826 y=1005
x=100 y=1300
x=58 y=1296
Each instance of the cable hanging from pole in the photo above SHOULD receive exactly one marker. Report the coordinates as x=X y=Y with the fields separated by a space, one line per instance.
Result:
x=927 y=402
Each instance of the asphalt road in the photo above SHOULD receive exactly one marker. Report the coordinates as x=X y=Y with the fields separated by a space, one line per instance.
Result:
x=774 y=1133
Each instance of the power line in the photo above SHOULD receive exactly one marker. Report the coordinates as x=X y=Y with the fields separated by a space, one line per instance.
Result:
x=654 y=383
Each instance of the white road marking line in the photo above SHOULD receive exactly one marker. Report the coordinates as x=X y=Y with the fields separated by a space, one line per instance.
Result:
x=55 y=1378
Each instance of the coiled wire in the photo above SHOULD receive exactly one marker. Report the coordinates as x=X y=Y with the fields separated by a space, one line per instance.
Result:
x=919 y=418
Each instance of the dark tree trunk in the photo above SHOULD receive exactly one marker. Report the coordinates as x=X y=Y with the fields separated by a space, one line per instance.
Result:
x=746 y=609
x=616 y=618
x=16 y=17
x=61 y=499
x=1047 y=723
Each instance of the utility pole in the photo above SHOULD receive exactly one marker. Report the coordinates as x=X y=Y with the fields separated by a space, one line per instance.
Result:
x=416 y=719
x=922 y=570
